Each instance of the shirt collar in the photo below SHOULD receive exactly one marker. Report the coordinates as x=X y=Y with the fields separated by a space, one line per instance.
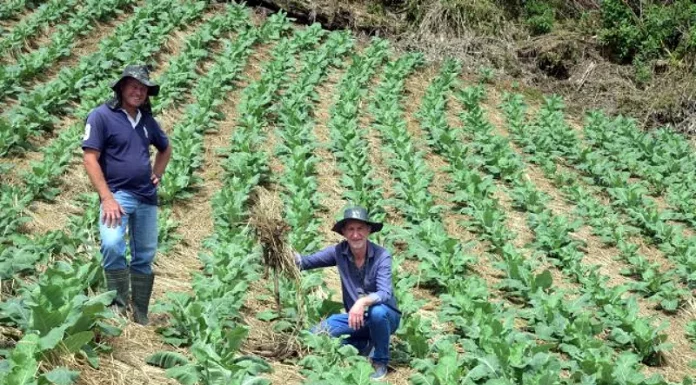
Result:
x=133 y=122
x=346 y=250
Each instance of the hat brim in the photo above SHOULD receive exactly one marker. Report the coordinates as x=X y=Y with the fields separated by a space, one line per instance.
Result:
x=152 y=88
x=375 y=227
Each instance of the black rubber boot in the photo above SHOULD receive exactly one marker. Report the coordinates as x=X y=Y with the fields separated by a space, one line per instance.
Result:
x=118 y=280
x=141 y=284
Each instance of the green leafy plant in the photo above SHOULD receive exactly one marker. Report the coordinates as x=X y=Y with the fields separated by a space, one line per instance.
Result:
x=218 y=362
x=539 y=16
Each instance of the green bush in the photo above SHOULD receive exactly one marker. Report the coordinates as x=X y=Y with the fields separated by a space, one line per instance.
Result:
x=540 y=16
x=652 y=31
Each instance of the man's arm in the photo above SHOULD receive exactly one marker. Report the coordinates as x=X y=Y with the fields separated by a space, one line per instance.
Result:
x=112 y=211
x=323 y=258
x=161 y=161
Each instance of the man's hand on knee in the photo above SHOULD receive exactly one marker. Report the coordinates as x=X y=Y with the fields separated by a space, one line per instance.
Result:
x=356 y=315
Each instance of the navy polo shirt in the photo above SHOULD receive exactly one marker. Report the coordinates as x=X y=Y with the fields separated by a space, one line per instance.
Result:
x=125 y=150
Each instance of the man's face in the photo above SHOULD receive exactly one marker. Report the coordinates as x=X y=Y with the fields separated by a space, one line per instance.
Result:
x=133 y=93
x=356 y=233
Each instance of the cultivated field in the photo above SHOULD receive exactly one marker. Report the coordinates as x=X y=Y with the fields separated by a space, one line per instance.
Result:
x=530 y=247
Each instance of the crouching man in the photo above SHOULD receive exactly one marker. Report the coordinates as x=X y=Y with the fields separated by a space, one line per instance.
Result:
x=366 y=283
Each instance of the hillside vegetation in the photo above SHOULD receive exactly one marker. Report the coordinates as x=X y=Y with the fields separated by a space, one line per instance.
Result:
x=633 y=57
x=531 y=244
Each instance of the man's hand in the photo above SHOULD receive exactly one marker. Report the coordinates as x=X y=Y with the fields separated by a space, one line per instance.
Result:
x=155 y=179
x=356 y=315
x=111 y=212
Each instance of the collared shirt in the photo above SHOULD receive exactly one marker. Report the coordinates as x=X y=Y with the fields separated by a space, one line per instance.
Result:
x=373 y=279
x=133 y=122
x=124 y=150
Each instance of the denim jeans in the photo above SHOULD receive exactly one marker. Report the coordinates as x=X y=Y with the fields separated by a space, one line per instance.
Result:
x=140 y=222
x=381 y=322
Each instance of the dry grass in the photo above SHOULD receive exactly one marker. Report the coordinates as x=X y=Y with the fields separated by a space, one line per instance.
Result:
x=682 y=353
x=461 y=19
x=266 y=218
x=126 y=365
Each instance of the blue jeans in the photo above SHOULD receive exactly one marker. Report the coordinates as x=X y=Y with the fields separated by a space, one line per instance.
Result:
x=140 y=220
x=381 y=322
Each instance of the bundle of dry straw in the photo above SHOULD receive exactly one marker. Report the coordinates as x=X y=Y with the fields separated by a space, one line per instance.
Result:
x=279 y=258
x=271 y=230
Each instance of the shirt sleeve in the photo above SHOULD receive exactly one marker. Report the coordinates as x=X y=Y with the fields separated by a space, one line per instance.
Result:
x=384 y=280
x=323 y=258
x=159 y=138
x=94 y=136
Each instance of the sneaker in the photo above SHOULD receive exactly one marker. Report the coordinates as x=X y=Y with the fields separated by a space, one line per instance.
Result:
x=379 y=373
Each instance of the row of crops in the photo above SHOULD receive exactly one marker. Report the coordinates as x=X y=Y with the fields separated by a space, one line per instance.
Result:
x=627 y=186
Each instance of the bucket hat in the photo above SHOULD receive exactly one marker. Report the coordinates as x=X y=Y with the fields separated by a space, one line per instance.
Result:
x=359 y=214
x=139 y=73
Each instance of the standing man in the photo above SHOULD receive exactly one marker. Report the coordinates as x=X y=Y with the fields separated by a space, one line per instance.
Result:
x=366 y=282
x=116 y=145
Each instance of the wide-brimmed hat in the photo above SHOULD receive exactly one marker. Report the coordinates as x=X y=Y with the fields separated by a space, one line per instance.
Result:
x=139 y=73
x=359 y=214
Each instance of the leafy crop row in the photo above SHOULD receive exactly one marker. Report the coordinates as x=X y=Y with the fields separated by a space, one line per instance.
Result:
x=361 y=186
x=298 y=145
x=53 y=312
x=210 y=317
x=36 y=110
x=201 y=115
x=47 y=14
x=441 y=258
x=606 y=175
x=10 y=8
x=493 y=155
x=294 y=127
x=328 y=360
x=552 y=238
x=652 y=279
x=61 y=44
x=76 y=324
x=40 y=181
x=488 y=355
x=662 y=158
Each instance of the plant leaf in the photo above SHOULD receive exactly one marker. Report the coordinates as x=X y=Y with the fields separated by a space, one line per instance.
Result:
x=60 y=376
x=167 y=360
